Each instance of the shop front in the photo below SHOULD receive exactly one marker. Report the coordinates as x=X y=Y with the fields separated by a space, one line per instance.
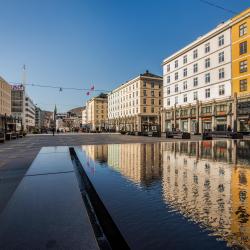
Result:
x=243 y=119
x=244 y=124
x=207 y=124
x=184 y=125
x=221 y=123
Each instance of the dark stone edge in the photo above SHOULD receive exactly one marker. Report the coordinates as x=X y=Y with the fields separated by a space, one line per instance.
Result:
x=107 y=233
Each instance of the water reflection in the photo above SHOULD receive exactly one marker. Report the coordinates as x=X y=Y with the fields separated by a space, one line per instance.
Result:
x=140 y=163
x=207 y=182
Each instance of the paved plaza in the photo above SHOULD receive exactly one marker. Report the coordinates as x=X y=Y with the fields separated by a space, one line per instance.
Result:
x=17 y=155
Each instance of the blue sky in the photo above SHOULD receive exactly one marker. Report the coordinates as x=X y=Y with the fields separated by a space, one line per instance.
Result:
x=102 y=42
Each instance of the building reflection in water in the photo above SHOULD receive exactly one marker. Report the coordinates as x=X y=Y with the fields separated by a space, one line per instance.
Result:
x=206 y=181
x=141 y=163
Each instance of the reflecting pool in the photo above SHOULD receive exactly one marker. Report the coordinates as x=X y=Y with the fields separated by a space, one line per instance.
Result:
x=175 y=195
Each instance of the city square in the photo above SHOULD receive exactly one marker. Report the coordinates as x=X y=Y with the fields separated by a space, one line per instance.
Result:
x=112 y=137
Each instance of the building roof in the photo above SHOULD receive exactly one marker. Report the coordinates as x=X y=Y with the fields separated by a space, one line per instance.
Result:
x=148 y=74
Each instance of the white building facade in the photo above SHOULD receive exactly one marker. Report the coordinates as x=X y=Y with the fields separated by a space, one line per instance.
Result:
x=30 y=114
x=195 y=77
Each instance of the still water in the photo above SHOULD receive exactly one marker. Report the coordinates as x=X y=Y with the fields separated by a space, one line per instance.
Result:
x=175 y=195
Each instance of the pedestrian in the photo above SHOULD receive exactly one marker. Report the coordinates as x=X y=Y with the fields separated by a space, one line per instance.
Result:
x=53 y=131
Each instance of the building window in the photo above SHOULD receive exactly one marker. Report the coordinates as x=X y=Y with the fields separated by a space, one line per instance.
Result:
x=243 y=29
x=195 y=95
x=144 y=84
x=221 y=73
x=207 y=62
x=184 y=72
x=168 y=79
x=168 y=67
x=195 y=81
x=176 y=76
x=152 y=85
x=207 y=93
x=207 y=77
x=243 y=47
x=195 y=53
x=221 y=57
x=144 y=109
x=168 y=90
x=243 y=85
x=144 y=92
x=176 y=100
x=152 y=93
x=184 y=85
x=185 y=98
x=176 y=88
x=144 y=101
x=243 y=66
x=160 y=102
x=168 y=102
x=221 y=90
x=207 y=47
x=152 y=101
x=159 y=93
x=221 y=40
x=184 y=59
x=152 y=110
x=176 y=64
x=206 y=110
x=195 y=67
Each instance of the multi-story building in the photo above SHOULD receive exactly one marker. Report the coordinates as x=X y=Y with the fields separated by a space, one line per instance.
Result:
x=46 y=119
x=38 y=118
x=136 y=104
x=5 y=98
x=97 y=112
x=197 y=81
x=240 y=69
x=18 y=103
x=29 y=114
x=22 y=107
x=200 y=80
x=5 y=102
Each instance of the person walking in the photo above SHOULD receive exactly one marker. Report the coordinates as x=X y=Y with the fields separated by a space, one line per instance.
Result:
x=53 y=131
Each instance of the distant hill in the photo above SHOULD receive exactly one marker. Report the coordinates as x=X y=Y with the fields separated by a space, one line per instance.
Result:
x=77 y=111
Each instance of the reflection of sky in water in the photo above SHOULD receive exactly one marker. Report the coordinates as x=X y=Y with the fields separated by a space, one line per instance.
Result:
x=175 y=195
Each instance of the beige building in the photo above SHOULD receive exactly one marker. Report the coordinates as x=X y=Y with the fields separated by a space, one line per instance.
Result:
x=136 y=104
x=97 y=112
x=5 y=97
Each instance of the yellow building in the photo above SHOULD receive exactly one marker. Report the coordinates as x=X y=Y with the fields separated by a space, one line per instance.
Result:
x=5 y=97
x=240 y=53
x=240 y=226
x=97 y=112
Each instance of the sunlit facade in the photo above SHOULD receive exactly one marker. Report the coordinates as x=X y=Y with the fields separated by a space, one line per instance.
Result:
x=136 y=104
x=5 y=97
x=97 y=112
x=206 y=84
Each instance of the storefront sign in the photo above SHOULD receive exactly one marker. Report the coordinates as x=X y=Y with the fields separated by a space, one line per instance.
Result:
x=17 y=87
